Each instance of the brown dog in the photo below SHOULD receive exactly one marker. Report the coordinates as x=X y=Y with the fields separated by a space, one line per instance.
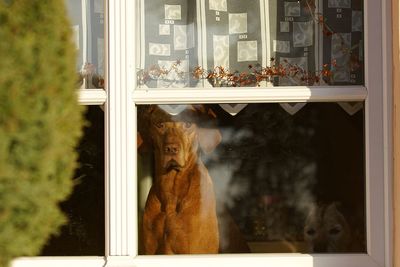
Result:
x=180 y=212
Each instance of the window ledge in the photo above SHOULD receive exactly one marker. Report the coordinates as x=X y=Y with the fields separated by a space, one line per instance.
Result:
x=92 y=96
x=59 y=262
x=250 y=95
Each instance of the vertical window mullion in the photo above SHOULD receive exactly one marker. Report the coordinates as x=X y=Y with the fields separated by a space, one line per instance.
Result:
x=118 y=136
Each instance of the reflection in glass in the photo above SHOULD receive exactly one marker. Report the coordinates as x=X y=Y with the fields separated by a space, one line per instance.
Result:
x=83 y=235
x=274 y=182
x=231 y=43
x=87 y=22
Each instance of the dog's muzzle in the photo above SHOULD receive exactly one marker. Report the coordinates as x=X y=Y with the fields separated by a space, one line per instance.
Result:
x=320 y=247
x=173 y=165
x=172 y=157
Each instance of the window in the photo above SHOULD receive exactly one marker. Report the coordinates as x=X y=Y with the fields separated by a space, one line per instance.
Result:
x=83 y=235
x=220 y=37
x=319 y=133
x=84 y=232
x=278 y=177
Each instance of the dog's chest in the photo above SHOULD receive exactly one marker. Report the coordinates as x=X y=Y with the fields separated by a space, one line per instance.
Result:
x=175 y=190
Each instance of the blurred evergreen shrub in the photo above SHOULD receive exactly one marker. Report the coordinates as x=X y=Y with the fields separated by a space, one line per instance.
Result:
x=40 y=123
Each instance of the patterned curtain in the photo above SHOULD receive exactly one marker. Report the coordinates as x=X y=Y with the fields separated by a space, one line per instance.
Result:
x=309 y=36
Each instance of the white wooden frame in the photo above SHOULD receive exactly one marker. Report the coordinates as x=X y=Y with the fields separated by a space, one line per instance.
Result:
x=121 y=189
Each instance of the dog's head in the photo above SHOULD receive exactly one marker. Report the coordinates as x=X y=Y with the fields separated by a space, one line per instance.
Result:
x=176 y=140
x=326 y=229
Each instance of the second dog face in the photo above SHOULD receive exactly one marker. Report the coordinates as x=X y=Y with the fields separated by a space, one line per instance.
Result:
x=326 y=230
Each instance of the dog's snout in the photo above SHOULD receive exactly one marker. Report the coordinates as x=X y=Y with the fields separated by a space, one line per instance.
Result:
x=171 y=149
x=320 y=247
x=172 y=143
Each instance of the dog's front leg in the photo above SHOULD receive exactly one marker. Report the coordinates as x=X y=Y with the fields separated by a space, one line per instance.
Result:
x=153 y=224
x=177 y=237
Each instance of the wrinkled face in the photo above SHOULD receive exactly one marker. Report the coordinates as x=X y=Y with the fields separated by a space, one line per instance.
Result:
x=175 y=144
x=326 y=230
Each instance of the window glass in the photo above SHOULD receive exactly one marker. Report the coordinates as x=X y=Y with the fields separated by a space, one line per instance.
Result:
x=87 y=22
x=214 y=43
x=251 y=178
x=83 y=235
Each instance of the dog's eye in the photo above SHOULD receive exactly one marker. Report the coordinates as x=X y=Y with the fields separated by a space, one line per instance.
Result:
x=160 y=125
x=187 y=124
x=310 y=232
x=334 y=231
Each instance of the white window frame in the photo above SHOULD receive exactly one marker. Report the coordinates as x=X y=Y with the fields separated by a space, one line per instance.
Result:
x=121 y=97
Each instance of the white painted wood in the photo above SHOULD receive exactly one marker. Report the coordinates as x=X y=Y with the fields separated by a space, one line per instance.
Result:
x=59 y=262
x=89 y=57
x=140 y=27
x=131 y=170
x=106 y=134
x=119 y=261
x=258 y=260
x=84 y=32
x=265 y=32
x=122 y=234
x=117 y=108
x=272 y=260
x=250 y=95
x=374 y=117
x=92 y=96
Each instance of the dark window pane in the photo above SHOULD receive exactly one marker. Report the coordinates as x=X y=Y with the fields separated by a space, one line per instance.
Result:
x=84 y=234
x=274 y=182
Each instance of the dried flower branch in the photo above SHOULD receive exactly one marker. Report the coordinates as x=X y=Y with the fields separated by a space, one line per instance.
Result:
x=223 y=77
x=89 y=78
x=157 y=72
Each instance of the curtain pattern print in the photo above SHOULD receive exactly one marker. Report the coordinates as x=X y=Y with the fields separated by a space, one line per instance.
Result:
x=179 y=36
x=169 y=36
x=233 y=34
x=343 y=44
x=293 y=34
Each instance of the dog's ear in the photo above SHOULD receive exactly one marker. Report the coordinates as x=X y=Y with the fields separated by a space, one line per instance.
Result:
x=143 y=124
x=143 y=145
x=139 y=140
x=209 y=139
x=339 y=206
